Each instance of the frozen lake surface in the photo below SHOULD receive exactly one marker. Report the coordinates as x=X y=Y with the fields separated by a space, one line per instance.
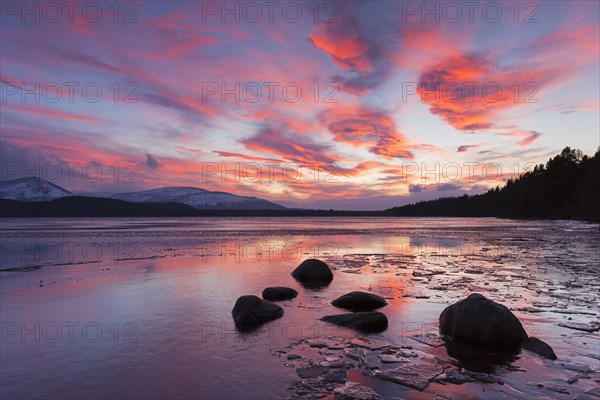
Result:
x=141 y=308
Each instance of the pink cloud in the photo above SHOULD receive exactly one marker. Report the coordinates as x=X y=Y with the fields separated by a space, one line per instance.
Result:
x=526 y=138
x=37 y=111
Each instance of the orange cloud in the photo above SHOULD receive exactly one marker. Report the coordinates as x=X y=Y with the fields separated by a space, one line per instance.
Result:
x=364 y=127
x=349 y=51
x=468 y=91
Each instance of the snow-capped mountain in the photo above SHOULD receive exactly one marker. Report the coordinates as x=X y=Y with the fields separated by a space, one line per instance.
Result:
x=31 y=189
x=195 y=197
x=37 y=189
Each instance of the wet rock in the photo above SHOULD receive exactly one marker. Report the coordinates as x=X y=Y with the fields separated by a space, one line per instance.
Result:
x=252 y=311
x=311 y=388
x=577 y=367
x=481 y=321
x=538 y=347
x=332 y=345
x=372 y=361
x=553 y=387
x=393 y=358
x=593 y=327
x=593 y=391
x=369 y=344
x=355 y=391
x=336 y=375
x=430 y=339
x=279 y=293
x=584 y=396
x=416 y=376
x=460 y=376
x=455 y=376
x=355 y=354
x=359 y=301
x=372 y=321
x=455 y=396
x=313 y=273
x=337 y=364
x=485 y=378
x=412 y=353
x=312 y=371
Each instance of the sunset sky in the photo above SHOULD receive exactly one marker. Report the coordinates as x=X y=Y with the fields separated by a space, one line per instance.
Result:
x=516 y=82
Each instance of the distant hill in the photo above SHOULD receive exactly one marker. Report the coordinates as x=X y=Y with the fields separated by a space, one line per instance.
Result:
x=81 y=206
x=566 y=187
x=31 y=189
x=195 y=197
x=37 y=189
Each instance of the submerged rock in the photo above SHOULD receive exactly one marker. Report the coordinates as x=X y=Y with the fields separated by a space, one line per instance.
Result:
x=393 y=358
x=336 y=375
x=372 y=321
x=416 y=376
x=313 y=371
x=590 y=328
x=455 y=396
x=252 y=311
x=539 y=347
x=279 y=293
x=359 y=301
x=313 y=273
x=355 y=391
x=430 y=339
x=372 y=361
x=479 y=320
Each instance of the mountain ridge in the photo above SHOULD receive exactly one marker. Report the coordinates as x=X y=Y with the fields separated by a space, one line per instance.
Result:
x=38 y=189
x=31 y=188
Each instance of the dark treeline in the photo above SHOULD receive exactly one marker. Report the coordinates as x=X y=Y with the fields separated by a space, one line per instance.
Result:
x=566 y=187
x=80 y=206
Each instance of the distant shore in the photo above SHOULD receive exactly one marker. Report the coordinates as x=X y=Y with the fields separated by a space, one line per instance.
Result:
x=89 y=207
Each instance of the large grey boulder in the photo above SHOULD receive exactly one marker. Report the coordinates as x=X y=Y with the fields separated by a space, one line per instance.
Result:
x=481 y=321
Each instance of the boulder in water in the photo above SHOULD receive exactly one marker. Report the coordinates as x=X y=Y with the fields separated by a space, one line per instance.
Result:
x=481 y=321
x=359 y=301
x=279 y=293
x=252 y=311
x=372 y=321
x=539 y=347
x=313 y=273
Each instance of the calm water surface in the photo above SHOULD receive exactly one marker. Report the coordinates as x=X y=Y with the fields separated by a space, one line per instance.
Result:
x=141 y=308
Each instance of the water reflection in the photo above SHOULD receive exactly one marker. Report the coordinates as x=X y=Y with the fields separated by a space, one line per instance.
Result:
x=177 y=281
x=481 y=359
